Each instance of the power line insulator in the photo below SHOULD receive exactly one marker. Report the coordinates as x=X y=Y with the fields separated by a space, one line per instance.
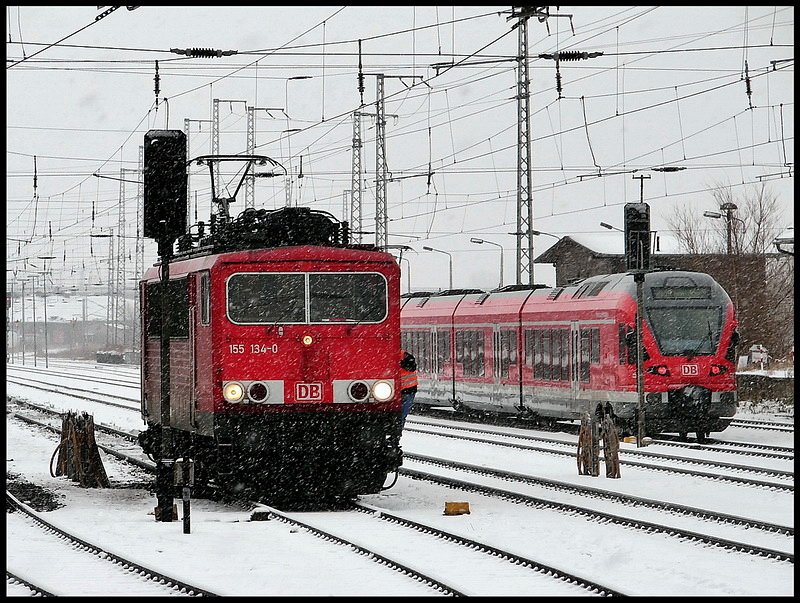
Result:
x=206 y=53
x=575 y=55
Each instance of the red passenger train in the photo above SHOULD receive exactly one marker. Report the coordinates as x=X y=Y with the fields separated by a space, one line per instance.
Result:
x=556 y=353
x=283 y=356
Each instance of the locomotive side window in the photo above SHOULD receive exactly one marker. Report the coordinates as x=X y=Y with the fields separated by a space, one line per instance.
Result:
x=528 y=348
x=205 y=299
x=546 y=357
x=347 y=297
x=442 y=350
x=508 y=351
x=595 y=356
x=586 y=342
x=538 y=370
x=266 y=297
x=405 y=340
x=627 y=345
x=422 y=350
x=564 y=355
x=556 y=369
x=177 y=309
x=469 y=351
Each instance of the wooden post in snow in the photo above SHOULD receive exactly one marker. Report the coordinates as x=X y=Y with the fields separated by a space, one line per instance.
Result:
x=78 y=455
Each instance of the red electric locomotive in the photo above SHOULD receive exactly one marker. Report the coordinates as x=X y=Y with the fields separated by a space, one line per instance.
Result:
x=284 y=341
x=557 y=353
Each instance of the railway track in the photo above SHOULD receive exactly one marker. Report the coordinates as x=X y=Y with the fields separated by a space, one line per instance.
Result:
x=433 y=547
x=572 y=428
x=91 y=377
x=768 y=425
x=568 y=449
x=467 y=482
x=530 y=575
x=76 y=566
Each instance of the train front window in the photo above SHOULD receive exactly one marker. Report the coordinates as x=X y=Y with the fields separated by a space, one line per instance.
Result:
x=686 y=331
x=347 y=297
x=259 y=298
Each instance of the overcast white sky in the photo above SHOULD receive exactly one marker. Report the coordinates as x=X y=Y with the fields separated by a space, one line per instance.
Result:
x=669 y=90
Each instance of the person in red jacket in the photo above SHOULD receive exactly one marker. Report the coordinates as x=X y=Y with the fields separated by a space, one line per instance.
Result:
x=408 y=383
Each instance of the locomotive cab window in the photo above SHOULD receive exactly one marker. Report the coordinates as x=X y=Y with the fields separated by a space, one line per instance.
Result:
x=205 y=298
x=686 y=331
x=266 y=297
x=177 y=309
x=347 y=297
x=301 y=298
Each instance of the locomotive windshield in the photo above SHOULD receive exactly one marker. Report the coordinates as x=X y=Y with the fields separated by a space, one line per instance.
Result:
x=342 y=297
x=686 y=331
x=267 y=298
x=300 y=298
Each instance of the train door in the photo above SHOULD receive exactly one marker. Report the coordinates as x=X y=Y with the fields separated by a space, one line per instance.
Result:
x=505 y=378
x=496 y=386
x=200 y=344
x=574 y=366
x=442 y=368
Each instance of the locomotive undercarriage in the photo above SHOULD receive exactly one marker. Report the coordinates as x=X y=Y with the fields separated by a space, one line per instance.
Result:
x=292 y=457
x=688 y=409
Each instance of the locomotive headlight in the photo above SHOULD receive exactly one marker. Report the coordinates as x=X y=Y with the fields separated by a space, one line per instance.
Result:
x=382 y=390
x=232 y=391
x=307 y=340
x=258 y=391
x=358 y=391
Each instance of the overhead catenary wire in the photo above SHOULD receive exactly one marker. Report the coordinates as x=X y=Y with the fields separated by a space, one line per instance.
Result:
x=450 y=124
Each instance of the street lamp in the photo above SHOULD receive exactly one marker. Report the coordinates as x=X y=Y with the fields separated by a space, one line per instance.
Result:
x=110 y=314
x=44 y=285
x=536 y=233
x=729 y=217
x=23 y=281
x=286 y=89
x=610 y=227
x=449 y=256
x=403 y=248
x=289 y=133
x=408 y=273
x=288 y=130
x=481 y=242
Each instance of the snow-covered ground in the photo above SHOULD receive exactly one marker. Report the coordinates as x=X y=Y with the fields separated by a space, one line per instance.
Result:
x=228 y=554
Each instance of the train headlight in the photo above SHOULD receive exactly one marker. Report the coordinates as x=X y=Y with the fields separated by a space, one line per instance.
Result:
x=382 y=390
x=717 y=369
x=358 y=391
x=307 y=340
x=661 y=370
x=258 y=391
x=233 y=391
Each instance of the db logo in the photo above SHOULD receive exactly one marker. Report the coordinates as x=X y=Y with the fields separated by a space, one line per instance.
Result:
x=690 y=370
x=308 y=392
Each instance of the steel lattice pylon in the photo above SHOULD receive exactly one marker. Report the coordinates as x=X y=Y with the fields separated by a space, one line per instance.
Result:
x=355 y=189
x=381 y=238
x=215 y=146
x=524 y=200
x=250 y=180
x=119 y=314
x=139 y=254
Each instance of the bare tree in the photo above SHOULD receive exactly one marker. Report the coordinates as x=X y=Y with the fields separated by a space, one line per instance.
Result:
x=754 y=223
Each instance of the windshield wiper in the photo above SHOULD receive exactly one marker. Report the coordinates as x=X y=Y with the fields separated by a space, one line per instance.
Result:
x=694 y=352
